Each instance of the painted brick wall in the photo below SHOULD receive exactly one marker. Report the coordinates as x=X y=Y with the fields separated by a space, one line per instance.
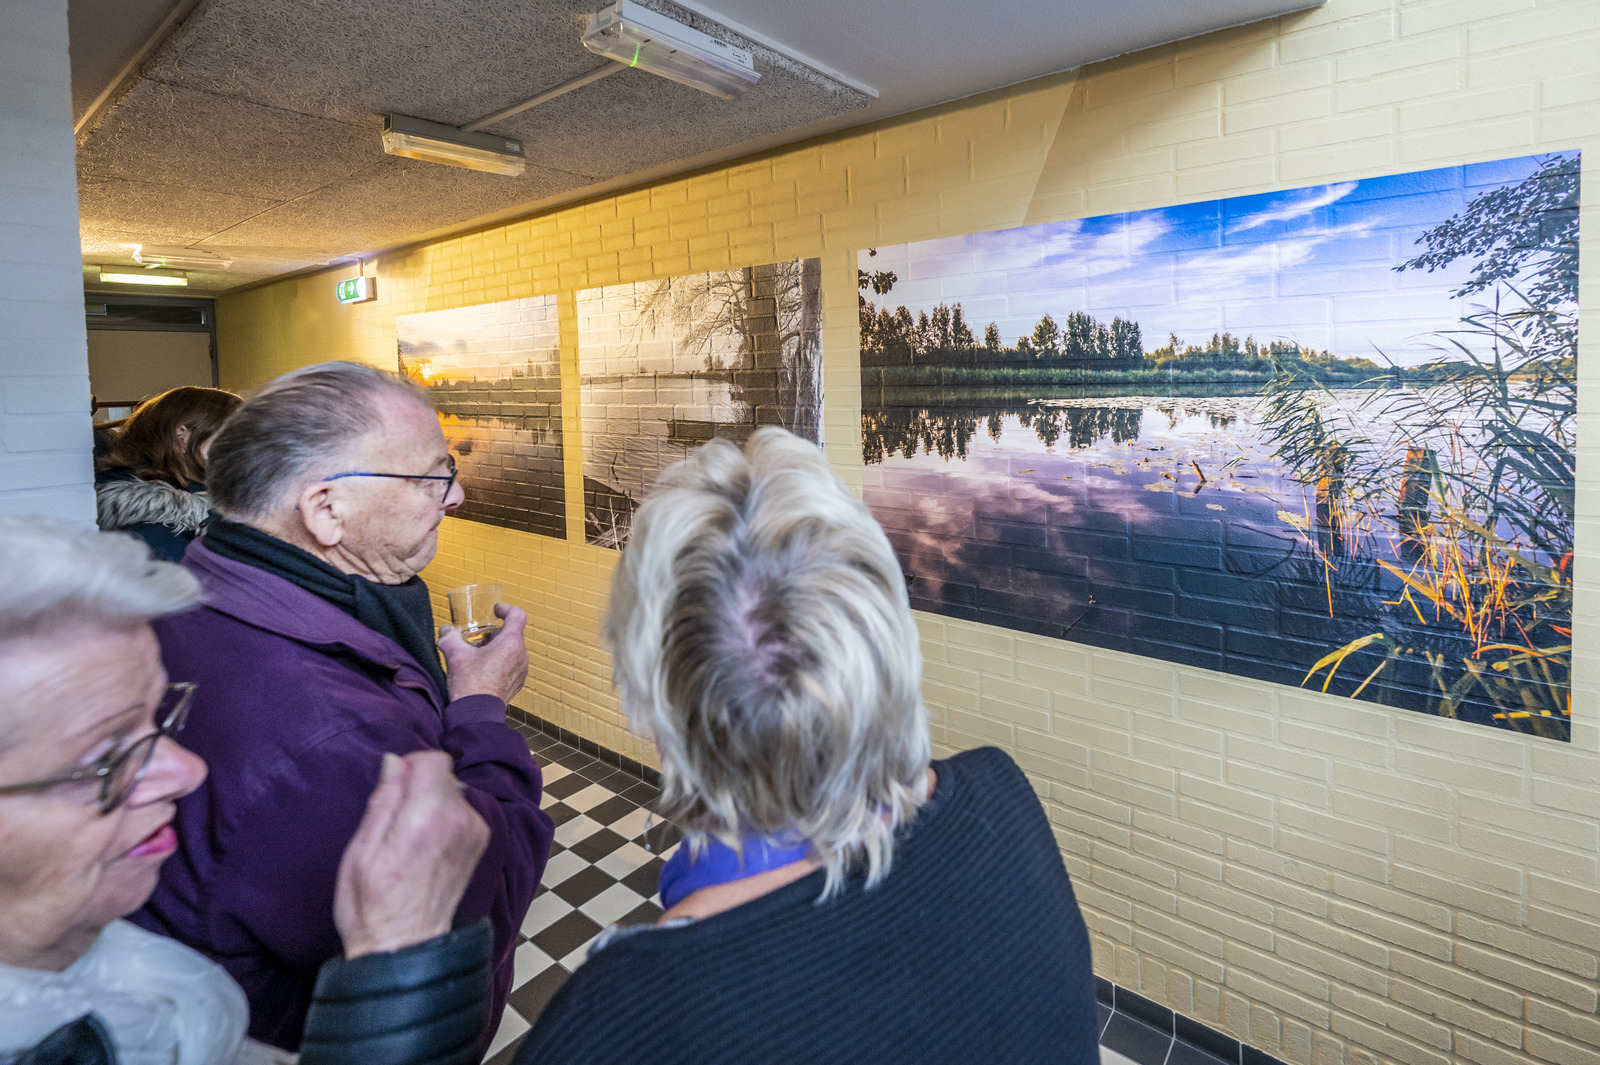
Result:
x=1328 y=881
x=45 y=454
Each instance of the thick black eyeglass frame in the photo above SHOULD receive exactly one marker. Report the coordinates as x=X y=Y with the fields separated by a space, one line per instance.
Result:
x=108 y=769
x=449 y=479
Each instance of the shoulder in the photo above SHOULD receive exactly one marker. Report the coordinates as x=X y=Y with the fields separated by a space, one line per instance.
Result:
x=984 y=800
x=122 y=502
x=133 y=957
x=207 y=644
x=271 y=712
x=610 y=1008
x=987 y=771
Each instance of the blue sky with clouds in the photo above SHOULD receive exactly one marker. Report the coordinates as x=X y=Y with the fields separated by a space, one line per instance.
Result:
x=1313 y=266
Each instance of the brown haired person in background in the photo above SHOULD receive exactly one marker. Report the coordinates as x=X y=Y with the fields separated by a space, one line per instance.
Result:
x=152 y=483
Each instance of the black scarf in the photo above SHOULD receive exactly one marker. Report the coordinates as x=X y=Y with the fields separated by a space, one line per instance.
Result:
x=402 y=612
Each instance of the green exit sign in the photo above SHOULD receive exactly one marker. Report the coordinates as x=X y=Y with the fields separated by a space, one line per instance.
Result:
x=357 y=289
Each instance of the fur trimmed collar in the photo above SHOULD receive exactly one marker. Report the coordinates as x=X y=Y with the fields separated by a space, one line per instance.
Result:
x=119 y=504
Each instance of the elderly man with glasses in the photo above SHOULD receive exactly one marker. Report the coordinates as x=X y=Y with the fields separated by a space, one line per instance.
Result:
x=315 y=656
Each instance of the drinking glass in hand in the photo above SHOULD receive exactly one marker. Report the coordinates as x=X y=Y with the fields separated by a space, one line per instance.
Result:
x=472 y=611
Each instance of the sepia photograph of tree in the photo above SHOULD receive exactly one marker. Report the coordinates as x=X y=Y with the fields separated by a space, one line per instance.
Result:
x=666 y=365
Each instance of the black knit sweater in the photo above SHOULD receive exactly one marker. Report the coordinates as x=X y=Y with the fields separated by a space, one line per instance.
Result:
x=972 y=949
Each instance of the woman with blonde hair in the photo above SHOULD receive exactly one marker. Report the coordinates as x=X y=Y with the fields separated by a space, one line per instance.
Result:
x=151 y=484
x=838 y=897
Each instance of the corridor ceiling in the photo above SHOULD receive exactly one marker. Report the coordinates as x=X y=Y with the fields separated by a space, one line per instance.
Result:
x=250 y=128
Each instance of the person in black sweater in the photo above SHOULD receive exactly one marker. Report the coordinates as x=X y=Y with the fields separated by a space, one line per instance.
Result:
x=837 y=897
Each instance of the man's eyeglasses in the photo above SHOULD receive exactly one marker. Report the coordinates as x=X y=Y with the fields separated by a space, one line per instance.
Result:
x=119 y=772
x=449 y=479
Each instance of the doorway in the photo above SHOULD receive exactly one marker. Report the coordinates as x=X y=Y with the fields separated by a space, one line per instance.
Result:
x=140 y=346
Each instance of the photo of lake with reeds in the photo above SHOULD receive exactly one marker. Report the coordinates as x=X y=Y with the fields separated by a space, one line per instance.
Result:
x=493 y=372
x=1323 y=437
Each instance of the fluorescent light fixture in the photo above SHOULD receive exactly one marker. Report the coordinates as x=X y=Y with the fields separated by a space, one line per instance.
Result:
x=122 y=275
x=651 y=41
x=435 y=142
x=152 y=255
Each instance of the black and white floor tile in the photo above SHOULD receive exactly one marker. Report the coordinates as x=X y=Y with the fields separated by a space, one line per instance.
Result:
x=603 y=870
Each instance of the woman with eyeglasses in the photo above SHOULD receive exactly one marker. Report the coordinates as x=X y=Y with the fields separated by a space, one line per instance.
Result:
x=90 y=774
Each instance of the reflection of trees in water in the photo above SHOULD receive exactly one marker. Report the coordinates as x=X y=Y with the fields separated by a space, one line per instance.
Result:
x=904 y=431
x=1083 y=426
x=946 y=431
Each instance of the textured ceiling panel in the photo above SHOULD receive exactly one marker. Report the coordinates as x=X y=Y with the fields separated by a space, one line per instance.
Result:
x=381 y=207
x=445 y=60
x=635 y=120
x=255 y=128
x=161 y=214
x=116 y=215
x=169 y=135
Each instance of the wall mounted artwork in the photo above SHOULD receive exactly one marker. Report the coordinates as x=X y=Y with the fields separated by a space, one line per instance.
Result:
x=494 y=373
x=1323 y=437
x=666 y=365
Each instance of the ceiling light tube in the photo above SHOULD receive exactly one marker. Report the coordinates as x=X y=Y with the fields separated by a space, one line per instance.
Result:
x=435 y=142
x=122 y=275
x=649 y=40
x=151 y=255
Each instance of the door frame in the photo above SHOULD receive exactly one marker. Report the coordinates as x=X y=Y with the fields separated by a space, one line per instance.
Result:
x=207 y=324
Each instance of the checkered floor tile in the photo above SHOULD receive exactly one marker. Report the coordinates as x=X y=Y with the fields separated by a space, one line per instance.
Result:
x=603 y=869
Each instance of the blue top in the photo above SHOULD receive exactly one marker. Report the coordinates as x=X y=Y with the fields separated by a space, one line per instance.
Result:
x=718 y=863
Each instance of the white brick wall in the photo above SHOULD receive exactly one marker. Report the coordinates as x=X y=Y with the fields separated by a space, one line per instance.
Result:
x=45 y=464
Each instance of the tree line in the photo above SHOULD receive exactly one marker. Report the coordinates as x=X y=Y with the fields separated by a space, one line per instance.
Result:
x=944 y=337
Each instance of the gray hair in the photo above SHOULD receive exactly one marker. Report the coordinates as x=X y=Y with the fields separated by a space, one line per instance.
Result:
x=55 y=571
x=761 y=636
x=292 y=427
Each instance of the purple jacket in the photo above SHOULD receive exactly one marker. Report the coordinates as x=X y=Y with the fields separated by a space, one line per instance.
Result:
x=297 y=704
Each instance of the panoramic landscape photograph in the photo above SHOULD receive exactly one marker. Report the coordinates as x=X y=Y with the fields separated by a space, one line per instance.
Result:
x=666 y=365
x=1323 y=437
x=494 y=374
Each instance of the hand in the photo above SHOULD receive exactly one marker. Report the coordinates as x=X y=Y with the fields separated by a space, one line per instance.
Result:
x=496 y=668
x=404 y=872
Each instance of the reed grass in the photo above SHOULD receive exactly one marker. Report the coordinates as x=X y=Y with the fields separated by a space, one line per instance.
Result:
x=1464 y=514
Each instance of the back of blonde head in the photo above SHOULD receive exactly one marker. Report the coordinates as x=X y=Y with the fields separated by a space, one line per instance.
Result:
x=761 y=636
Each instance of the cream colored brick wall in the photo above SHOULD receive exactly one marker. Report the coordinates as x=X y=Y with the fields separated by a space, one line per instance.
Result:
x=1325 y=880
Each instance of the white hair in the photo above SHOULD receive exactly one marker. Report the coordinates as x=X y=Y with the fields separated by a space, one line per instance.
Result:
x=291 y=428
x=761 y=636
x=52 y=571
